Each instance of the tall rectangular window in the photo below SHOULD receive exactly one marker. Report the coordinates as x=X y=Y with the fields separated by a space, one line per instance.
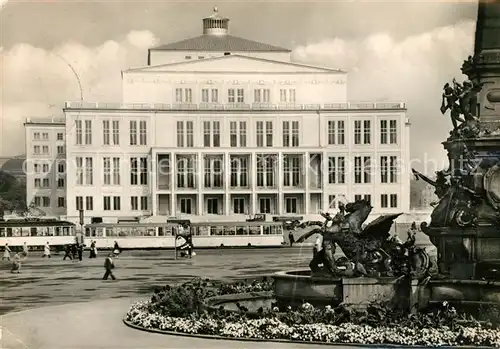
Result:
x=336 y=170
x=134 y=169
x=88 y=132
x=393 y=132
x=79 y=132
x=185 y=172
x=144 y=171
x=211 y=133
x=185 y=134
x=79 y=203
x=183 y=95
x=133 y=132
x=366 y=132
x=266 y=169
x=290 y=133
x=394 y=200
x=393 y=169
x=143 y=135
x=79 y=171
x=383 y=132
x=116 y=171
x=239 y=171
x=384 y=202
x=262 y=95
x=357 y=132
x=89 y=203
x=89 y=171
x=241 y=95
x=107 y=170
x=106 y=132
x=287 y=95
x=231 y=95
x=362 y=169
x=384 y=169
x=116 y=132
x=291 y=170
x=106 y=202
x=180 y=134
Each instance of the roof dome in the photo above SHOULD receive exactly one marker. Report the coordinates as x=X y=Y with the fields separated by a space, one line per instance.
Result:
x=215 y=24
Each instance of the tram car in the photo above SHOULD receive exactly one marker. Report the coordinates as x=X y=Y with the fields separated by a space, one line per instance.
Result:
x=36 y=232
x=204 y=235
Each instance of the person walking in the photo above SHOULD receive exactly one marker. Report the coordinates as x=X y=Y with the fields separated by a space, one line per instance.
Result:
x=291 y=238
x=109 y=265
x=25 y=250
x=16 y=265
x=46 y=251
x=93 y=250
x=6 y=252
x=116 y=249
x=68 y=253
x=80 y=252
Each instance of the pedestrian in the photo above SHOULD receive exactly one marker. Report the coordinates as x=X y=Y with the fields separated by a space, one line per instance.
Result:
x=80 y=252
x=93 y=250
x=108 y=266
x=6 y=252
x=67 y=253
x=116 y=249
x=74 y=251
x=16 y=265
x=25 y=250
x=46 y=251
x=291 y=238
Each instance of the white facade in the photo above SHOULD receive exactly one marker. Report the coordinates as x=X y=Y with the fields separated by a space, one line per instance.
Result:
x=231 y=136
x=45 y=165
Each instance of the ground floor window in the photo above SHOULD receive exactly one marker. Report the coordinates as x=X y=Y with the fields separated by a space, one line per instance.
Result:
x=186 y=206
x=213 y=206
x=291 y=205
x=264 y=205
x=239 y=205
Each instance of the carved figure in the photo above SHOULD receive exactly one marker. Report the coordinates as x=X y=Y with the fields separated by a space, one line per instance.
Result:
x=369 y=250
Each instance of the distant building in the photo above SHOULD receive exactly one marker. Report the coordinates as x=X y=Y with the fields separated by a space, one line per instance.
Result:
x=223 y=126
x=422 y=195
x=46 y=165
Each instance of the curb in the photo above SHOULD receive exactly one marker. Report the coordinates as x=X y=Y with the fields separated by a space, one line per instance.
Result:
x=287 y=341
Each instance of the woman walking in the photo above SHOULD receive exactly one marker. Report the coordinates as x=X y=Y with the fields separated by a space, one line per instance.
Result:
x=46 y=251
x=6 y=252
x=25 y=250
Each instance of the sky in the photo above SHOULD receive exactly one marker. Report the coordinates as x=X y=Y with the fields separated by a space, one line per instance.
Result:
x=394 y=51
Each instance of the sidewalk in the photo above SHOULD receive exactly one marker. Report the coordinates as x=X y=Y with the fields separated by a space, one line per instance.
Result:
x=98 y=325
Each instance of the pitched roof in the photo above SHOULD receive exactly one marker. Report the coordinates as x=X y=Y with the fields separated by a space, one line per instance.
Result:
x=196 y=62
x=219 y=43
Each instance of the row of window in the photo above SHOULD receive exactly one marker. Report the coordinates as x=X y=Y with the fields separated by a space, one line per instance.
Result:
x=386 y=200
x=111 y=132
x=238 y=131
x=363 y=169
x=44 y=150
x=112 y=203
x=44 y=136
x=234 y=95
x=213 y=167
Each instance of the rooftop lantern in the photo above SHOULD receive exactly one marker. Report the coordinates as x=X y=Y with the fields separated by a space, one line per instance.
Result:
x=215 y=24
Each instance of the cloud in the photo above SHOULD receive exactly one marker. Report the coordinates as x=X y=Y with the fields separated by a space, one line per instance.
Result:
x=412 y=70
x=37 y=82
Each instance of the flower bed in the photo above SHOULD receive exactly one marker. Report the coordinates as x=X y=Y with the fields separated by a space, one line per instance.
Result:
x=181 y=309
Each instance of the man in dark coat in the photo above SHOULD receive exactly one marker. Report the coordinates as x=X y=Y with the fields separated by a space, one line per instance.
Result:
x=108 y=266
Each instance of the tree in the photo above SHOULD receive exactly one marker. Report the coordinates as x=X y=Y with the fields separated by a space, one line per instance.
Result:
x=12 y=194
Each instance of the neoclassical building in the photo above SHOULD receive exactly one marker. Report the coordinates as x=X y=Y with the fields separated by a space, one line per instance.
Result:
x=218 y=125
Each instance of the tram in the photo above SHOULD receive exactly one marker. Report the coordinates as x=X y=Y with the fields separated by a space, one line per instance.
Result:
x=204 y=235
x=36 y=232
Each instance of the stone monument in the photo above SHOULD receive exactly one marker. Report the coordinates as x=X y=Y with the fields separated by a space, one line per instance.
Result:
x=465 y=223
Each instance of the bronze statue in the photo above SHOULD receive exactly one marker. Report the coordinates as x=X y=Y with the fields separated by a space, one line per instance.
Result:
x=369 y=251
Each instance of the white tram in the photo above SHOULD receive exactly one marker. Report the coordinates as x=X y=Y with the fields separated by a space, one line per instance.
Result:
x=36 y=232
x=206 y=234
